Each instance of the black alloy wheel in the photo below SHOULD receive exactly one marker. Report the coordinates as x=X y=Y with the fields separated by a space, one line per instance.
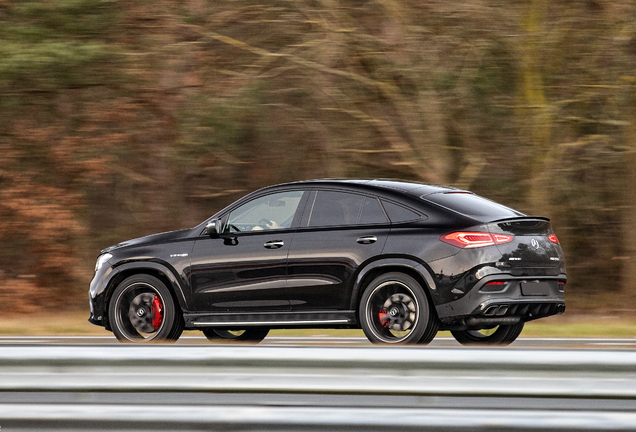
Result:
x=499 y=335
x=142 y=310
x=252 y=335
x=394 y=309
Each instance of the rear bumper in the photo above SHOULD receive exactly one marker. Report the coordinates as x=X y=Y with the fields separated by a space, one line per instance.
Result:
x=504 y=303
x=524 y=308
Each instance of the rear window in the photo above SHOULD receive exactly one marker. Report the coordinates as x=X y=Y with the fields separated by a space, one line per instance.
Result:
x=472 y=205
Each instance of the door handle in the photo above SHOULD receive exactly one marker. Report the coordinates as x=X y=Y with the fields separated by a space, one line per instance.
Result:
x=367 y=239
x=274 y=244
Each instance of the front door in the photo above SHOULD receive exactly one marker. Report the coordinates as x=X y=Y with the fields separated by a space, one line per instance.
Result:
x=246 y=268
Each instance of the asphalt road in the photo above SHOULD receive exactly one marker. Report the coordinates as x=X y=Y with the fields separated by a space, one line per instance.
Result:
x=444 y=342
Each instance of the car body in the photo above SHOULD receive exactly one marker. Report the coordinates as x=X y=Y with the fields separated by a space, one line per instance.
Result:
x=398 y=259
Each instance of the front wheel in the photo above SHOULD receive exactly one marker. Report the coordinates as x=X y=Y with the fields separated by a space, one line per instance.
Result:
x=499 y=335
x=142 y=310
x=395 y=309
x=253 y=335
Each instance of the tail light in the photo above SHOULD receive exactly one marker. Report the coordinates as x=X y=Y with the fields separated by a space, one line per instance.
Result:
x=467 y=240
x=554 y=239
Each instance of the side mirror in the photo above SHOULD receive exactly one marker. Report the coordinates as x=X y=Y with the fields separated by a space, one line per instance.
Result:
x=213 y=228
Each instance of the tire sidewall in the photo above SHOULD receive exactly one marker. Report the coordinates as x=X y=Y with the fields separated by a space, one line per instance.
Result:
x=504 y=335
x=169 y=309
x=419 y=296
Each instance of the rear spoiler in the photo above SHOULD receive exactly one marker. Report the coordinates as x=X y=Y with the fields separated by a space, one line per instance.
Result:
x=520 y=219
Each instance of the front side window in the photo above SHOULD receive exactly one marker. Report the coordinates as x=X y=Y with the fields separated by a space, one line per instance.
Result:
x=332 y=208
x=275 y=211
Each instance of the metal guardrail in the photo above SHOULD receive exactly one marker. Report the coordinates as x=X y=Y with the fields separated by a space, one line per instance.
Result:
x=496 y=375
x=126 y=418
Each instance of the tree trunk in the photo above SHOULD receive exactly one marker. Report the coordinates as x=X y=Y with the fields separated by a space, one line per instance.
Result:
x=535 y=122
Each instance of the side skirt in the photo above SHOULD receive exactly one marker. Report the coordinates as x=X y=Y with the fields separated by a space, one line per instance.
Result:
x=272 y=320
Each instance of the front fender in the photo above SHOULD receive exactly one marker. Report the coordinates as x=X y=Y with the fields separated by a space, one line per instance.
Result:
x=113 y=275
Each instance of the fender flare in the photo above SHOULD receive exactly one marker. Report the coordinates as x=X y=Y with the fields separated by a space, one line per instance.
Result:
x=409 y=264
x=167 y=271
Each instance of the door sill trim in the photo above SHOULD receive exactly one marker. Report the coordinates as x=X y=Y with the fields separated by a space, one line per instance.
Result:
x=268 y=323
x=315 y=319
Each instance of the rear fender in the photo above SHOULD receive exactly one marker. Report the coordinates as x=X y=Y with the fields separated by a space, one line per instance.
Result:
x=406 y=265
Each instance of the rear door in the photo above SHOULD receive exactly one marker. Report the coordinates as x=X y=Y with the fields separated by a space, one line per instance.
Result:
x=339 y=231
x=525 y=242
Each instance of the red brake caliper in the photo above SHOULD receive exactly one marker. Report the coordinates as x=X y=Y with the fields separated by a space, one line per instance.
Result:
x=157 y=313
x=383 y=319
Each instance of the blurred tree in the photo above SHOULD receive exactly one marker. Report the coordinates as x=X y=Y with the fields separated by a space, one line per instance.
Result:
x=119 y=118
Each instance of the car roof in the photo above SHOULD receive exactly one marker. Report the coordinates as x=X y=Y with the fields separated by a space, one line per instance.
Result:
x=415 y=189
x=404 y=192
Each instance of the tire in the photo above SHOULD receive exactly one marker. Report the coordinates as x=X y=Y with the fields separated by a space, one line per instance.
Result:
x=394 y=309
x=500 y=335
x=431 y=331
x=253 y=335
x=142 y=310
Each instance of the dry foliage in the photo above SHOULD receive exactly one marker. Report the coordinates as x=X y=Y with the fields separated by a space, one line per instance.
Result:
x=123 y=118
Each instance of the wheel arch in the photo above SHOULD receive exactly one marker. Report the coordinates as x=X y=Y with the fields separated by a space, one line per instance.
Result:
x=152 y=269
x=410 y=267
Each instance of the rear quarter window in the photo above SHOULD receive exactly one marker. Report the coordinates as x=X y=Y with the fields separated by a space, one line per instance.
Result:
x=398 y=213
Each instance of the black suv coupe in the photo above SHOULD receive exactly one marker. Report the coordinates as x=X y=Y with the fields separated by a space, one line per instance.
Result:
x=400 y=260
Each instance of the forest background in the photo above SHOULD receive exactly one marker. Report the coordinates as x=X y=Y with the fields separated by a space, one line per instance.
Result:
x=121 y=118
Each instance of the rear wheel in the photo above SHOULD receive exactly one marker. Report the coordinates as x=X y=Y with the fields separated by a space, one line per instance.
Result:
x=395 y=309
x=499 y=335
x=253 y=335
x=142 y=310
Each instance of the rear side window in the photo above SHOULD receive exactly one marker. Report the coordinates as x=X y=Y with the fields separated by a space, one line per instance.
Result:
x=332 y=208
x=398 y=213
x=472 y=205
